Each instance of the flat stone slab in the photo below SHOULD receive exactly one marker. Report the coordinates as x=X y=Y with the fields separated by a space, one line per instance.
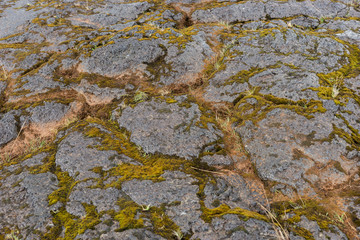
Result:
x=168 y=128
x=179 y=119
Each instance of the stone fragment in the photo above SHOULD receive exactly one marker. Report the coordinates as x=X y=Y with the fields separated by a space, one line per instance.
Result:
x=168 y=128
x=8 y=128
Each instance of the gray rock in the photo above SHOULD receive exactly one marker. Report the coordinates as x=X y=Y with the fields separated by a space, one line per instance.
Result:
x=75 y=156
x=274 y=62
x=186 y=63
x=305 y=22
x=351 y=113
x=286 y=83
x=49 y=112
x=177 y=187
x=217 y=160
x=247 y=11
x=164 y=48
x=234 y=191
x=2 y=87
x=102 y=199
x=131 y=234
x=24 y=200
x=8 y=128
x=120 y=12
x=39 y=82
x=13 y=19
x=125 y=54
x=168 y=128
x=96 y=95
x=286 y=151
x=34 y=161
x=317 y=9
x=333 y=233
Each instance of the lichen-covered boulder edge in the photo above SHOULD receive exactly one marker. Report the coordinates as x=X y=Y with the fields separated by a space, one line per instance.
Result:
x=179 y=119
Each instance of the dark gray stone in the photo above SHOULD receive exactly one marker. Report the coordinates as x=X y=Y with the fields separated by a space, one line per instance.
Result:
x=286 y=151
x=186 y=63
x=24 y=202
x=2 y=87
x=246 y=11
x=284 y=82
x=102 y=199
x=125 y=54
x=234 y=191
x=277 y=48
x=178 y=187
x=217 y=160
x=305 y=22
x=167 y=128
x=35 y=160
x=39 y=82
x=96 y=95
x=317 y=9
x=132 y=234
x=283 y=63
x=120 y=12
x=8 y=128
x=13 y=19
x=49 y=112
x=333 y=233
x=351 y=113
x=76 y=156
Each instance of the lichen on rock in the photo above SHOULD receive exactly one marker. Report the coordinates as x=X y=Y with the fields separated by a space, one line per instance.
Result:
x=179 y=119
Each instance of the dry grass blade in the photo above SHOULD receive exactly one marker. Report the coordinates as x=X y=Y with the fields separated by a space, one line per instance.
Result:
x=281 y=233
x=3 y=70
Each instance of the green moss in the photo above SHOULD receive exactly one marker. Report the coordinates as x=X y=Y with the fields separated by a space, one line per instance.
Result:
x=311 y=209
x=126 y=216
x=265 y=103
x=140 y=96
x=73 y=226
x=66 y=183
x=163 y=225
x=208 y=214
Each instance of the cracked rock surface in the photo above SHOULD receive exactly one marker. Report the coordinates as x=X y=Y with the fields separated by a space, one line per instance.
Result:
x=179 y=119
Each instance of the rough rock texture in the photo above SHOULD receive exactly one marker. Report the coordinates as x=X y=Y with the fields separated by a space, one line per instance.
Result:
x=179 y=119
x=8 y=128
x=182 y=133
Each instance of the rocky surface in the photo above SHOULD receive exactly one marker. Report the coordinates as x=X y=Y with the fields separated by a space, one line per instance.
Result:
x=179 y=119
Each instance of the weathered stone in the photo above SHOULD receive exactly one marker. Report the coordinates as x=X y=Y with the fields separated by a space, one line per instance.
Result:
x=293 y=151
x=333 y=233
x=178 y=187
x=8 y=128
x=286 y=83
x=75 y=156
x=96 y=95
x=125 y=54
x=102 y=199
x=168 y=128
x=131 y=234
x=186 y=64
x=247 y=11
x=24 y=205
x=39 y=82
x=49 y=112
x=233 y=191
x=283 y=74
x=217 y=160
x=34 y=161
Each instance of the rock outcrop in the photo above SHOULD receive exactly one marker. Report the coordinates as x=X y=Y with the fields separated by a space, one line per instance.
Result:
x=179 y=119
